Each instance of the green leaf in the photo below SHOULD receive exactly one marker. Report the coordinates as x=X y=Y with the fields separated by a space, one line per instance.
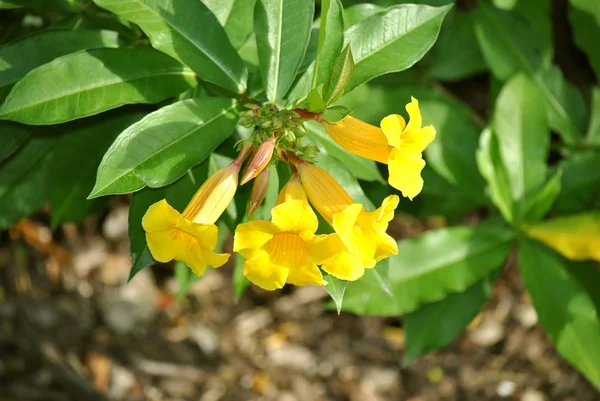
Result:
x=586 y=28
x=73 y=163
x=523 y=140
x=9 y=4
x=236 y=16
x=13 y=137
x=51 y=5
x=160 y=148
x=19 y=57
x=23 y=180
x=564 y=308
x=336 y=288
x=492 y=169
x=342 y=173
x=463 y=256
x=363 y=169
x=334 y=114
x=509 y=45
x=177 y=195
x=282 y=34
x=436 y=325
x=456 y=55
x=189 y=32
x=541 y=201
x=331 y=39
x=593 y=134
x=185 y=279
x=314 y=100
x=393 y=40
x=580 y=183
x=89 y=82
x=360 y=12
x=339 y=78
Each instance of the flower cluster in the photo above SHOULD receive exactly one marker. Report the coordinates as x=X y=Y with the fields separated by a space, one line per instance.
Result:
x=287 y=248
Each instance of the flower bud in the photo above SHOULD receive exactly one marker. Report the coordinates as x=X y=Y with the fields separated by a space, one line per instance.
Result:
x=260 y=160
x=259 y=190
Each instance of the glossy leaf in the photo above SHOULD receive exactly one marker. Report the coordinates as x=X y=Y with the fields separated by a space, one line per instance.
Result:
x=359 y=12
x=341 y=74
x=12 y=137
x=541 y=201
x=564 y=308
x=188 y=31
x=523 y=135
x=362 y=168
x=336 y=289
x=177 y=195
x=21 y=56
x=576 y=237
x=160 y=148
x=463 y=256
x=393 y=40
x=89 y=82
x=23 y=180
x=73 y=163
x=580 y=183
x=335 y=114
x=509 y=46
x=436 y=325
x=282 y=33
x=331 y=39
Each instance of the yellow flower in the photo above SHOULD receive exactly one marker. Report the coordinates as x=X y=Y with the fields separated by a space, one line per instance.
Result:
x=397 y=144
x=361 y=234
x=191 y=236
x=286 y=249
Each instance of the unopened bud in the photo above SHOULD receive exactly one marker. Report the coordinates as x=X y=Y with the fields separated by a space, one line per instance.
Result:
x=259 y=190
x=260 y=160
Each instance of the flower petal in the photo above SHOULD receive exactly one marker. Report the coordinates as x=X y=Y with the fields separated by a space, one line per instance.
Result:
x=417 y=141
x=160 y=217
x=392 y=127
x=414 y=114
x=165 y=245
x=359 y=137
x=305 y=275
x=346 y=266
x=293 y=190
x=344 y=222
x=405 y=172
x=264 y=273
x=323 y=248
x=252 y=235
x=206 y=234
x=294 y=216
x=379 y=219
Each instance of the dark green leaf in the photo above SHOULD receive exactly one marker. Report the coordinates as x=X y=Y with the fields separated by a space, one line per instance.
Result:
x=435 y=325
x=12 y=137
x=564 y=308
x=89 y=82
x=393 y=40
x=593 y=135
x=461 y=256
x=523 y=135
x=160 y=148
x=177 y=195
x=456 y=55
x=4 y=4
x=73 y=164
x=339 y=78
x=51 y=5
x=282 y=33
x=23 y=180
x=21 y=56
x=580 y=183
x=240 y=282
x=509 y=45
x=331 y=39
x=585 y=24
x=188 y=31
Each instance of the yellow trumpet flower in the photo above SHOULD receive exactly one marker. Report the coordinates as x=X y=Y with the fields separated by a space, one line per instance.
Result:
x=191 y=236
x=361 y=233
x=285 y=249
x=396 y=143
